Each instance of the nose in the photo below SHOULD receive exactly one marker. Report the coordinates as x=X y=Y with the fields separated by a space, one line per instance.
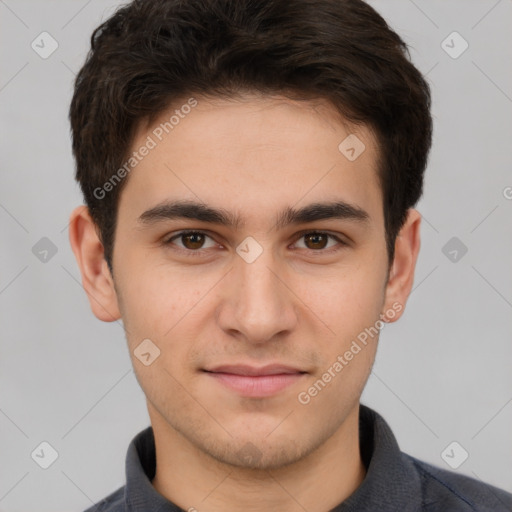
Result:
x=258 y=303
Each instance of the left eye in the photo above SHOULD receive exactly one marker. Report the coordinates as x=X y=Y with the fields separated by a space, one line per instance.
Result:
x=318 y=240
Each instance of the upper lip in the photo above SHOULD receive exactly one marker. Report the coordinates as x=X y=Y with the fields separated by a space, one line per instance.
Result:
x=243 y=369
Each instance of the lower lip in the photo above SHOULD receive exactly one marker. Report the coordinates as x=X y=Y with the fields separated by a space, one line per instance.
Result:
x=257 y=385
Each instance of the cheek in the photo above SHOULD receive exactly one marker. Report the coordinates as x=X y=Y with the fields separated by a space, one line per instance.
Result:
x=168 y=308
x=350 y=308
x=153 y=295
x=346 y=300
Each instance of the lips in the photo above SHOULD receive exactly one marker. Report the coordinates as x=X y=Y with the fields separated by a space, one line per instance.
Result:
x=271 y=369
x=255 y=382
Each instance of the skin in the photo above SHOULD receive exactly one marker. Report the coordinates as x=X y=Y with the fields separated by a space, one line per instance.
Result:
x=297 y=304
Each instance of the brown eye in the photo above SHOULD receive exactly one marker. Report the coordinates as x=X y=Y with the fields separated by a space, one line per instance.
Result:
x=192 y=240
x=316 y=240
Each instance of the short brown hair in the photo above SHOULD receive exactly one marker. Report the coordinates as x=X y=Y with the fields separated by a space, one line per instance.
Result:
x=149 y=53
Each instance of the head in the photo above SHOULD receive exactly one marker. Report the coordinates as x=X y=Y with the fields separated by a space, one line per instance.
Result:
x=292 y=138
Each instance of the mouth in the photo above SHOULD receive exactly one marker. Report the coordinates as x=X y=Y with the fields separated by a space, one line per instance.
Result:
x=256 y=382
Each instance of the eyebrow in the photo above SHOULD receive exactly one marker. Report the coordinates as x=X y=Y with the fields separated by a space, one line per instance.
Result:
x=169 y=210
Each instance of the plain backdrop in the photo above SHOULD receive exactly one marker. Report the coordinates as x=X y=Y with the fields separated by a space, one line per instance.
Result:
x=442 y=372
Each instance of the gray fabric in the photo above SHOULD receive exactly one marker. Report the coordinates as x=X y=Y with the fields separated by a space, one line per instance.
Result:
x=394 y=480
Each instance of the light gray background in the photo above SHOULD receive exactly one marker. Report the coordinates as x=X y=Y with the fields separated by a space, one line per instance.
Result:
x=442 y=372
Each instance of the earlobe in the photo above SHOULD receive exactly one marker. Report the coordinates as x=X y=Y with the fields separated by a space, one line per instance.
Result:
x=401 y=276
x=96 y=278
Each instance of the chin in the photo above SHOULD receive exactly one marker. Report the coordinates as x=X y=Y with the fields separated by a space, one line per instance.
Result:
x=259 y=452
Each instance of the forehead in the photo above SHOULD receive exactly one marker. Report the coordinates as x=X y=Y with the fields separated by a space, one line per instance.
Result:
x=251 y=155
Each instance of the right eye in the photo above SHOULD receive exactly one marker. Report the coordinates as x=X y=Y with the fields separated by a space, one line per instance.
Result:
x=192 y=242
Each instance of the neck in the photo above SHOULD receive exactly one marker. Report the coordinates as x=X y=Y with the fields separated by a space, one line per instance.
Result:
x=320 y=481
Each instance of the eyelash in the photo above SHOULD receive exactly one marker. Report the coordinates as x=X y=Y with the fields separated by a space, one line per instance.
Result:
x=199 y=252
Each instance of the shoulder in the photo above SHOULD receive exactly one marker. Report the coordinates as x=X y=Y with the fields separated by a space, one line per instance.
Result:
x=114 y=502
x=446 y=490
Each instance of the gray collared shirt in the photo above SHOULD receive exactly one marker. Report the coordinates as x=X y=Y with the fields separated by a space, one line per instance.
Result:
x=394 y=481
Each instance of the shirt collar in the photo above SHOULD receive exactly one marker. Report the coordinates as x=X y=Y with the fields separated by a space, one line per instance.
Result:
x=140 y=495
x=391 y=482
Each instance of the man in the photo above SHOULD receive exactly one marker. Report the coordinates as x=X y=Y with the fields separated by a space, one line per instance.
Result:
x=249 y=172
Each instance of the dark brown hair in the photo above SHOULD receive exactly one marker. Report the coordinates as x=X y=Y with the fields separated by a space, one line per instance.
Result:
x=149 y=53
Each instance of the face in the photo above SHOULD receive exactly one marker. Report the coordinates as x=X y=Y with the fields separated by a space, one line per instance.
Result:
x=259 y=310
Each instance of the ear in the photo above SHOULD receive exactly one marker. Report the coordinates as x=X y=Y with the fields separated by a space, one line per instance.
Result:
x=401 y=275
x=96 y=278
